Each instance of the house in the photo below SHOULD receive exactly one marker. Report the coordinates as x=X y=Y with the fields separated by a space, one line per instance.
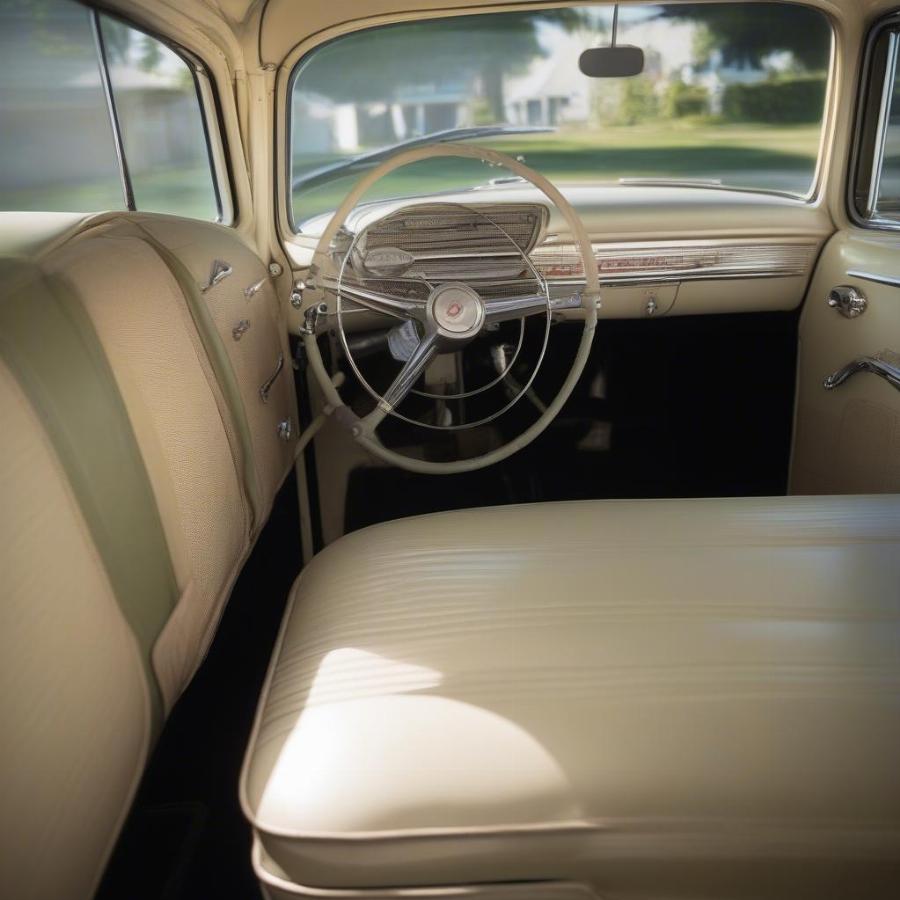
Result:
x=715 y=76
x=553 y=90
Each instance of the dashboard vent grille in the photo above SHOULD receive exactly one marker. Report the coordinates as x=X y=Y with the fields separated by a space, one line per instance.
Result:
x=459 y=243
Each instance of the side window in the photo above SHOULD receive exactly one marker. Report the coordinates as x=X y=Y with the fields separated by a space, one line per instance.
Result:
x=97 y=115
x=161 y=124
x=876 y=195
x=57 y=150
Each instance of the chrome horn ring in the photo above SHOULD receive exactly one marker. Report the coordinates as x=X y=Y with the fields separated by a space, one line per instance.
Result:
x=453 y=315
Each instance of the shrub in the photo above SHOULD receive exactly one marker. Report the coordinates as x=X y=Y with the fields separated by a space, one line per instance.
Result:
x=683 y=100
x=638 y=102
x=794 y=100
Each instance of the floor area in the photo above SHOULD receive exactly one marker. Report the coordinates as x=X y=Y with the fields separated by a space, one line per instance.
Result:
x=683 y=407
x=186 y=836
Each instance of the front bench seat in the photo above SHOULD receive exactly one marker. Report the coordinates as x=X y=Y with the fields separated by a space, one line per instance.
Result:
x=673 y=699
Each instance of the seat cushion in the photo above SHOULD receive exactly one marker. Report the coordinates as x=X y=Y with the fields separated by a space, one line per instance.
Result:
x=653 y=698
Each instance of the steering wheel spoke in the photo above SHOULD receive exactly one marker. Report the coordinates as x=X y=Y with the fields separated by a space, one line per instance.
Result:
x=510 y=309
x=408 y=308
x=406 y=379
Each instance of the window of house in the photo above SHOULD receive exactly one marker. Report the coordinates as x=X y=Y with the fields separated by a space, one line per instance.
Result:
x=97 y=115
x=732 y=95
x=876 y=193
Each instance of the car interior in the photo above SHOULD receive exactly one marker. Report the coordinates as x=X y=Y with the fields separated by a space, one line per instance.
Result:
x=452 y=449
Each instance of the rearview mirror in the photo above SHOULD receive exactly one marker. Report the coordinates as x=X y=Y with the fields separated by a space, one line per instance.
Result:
x=622 y=61
x=616 y=60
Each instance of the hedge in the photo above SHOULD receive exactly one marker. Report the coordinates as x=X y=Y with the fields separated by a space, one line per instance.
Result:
x=683 y=100
x=795 y=100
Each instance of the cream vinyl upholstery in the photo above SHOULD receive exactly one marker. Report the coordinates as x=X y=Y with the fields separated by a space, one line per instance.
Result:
x=176 y=409
x=136 y=471
x=645 y=698
x=209 y=443
x=246 y=295
x=75 y=704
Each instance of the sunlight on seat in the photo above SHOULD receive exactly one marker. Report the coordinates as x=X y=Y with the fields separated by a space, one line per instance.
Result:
x=350 y=673
x=420 y=752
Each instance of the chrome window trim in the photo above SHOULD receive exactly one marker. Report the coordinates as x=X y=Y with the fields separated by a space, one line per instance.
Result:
x=215 y=141
x=872 y=221
x=887 y=92
x=112 y=111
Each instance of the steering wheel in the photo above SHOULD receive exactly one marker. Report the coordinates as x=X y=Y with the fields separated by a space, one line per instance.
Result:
x=446 y=316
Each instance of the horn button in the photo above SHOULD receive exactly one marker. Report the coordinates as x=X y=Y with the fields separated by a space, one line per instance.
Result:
x=456 y=310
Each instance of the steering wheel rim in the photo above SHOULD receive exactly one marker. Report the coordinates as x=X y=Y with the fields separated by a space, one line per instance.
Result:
x=363 y=430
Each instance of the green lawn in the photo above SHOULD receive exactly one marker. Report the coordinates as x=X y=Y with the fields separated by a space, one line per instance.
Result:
x=754 y=156
x=180 y=191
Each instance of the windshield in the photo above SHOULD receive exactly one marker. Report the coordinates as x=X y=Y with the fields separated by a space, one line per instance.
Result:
x=731 y=94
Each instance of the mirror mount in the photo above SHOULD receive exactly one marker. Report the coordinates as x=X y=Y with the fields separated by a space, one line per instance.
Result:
x=614 y=61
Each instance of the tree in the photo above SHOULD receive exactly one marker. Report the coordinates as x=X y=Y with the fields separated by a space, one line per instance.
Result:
x=638 y=102
x=747 y=32
x=116 y=40
x=482 y=48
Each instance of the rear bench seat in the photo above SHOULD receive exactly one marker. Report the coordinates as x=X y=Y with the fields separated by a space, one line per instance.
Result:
x=138 y=464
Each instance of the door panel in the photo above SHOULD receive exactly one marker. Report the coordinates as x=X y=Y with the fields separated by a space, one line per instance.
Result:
x=847 y=440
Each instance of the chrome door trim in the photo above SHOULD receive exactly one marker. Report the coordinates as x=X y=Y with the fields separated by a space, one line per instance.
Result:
x=889 y=280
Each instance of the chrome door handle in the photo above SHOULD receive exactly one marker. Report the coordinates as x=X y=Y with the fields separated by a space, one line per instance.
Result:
x=267 y=385
x=849 y=301
x=885 y=364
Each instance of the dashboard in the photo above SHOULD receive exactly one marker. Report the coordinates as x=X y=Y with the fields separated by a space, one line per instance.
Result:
x=660 y=250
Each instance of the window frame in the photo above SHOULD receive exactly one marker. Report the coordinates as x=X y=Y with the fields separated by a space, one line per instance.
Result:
x=208 y=103
x=304 y=50
x=875 y=131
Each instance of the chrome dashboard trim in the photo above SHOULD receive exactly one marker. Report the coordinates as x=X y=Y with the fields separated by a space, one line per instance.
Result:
x=669 y=261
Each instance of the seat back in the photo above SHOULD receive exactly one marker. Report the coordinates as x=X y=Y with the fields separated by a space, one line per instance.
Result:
x=138 y=467
x=245 y=333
